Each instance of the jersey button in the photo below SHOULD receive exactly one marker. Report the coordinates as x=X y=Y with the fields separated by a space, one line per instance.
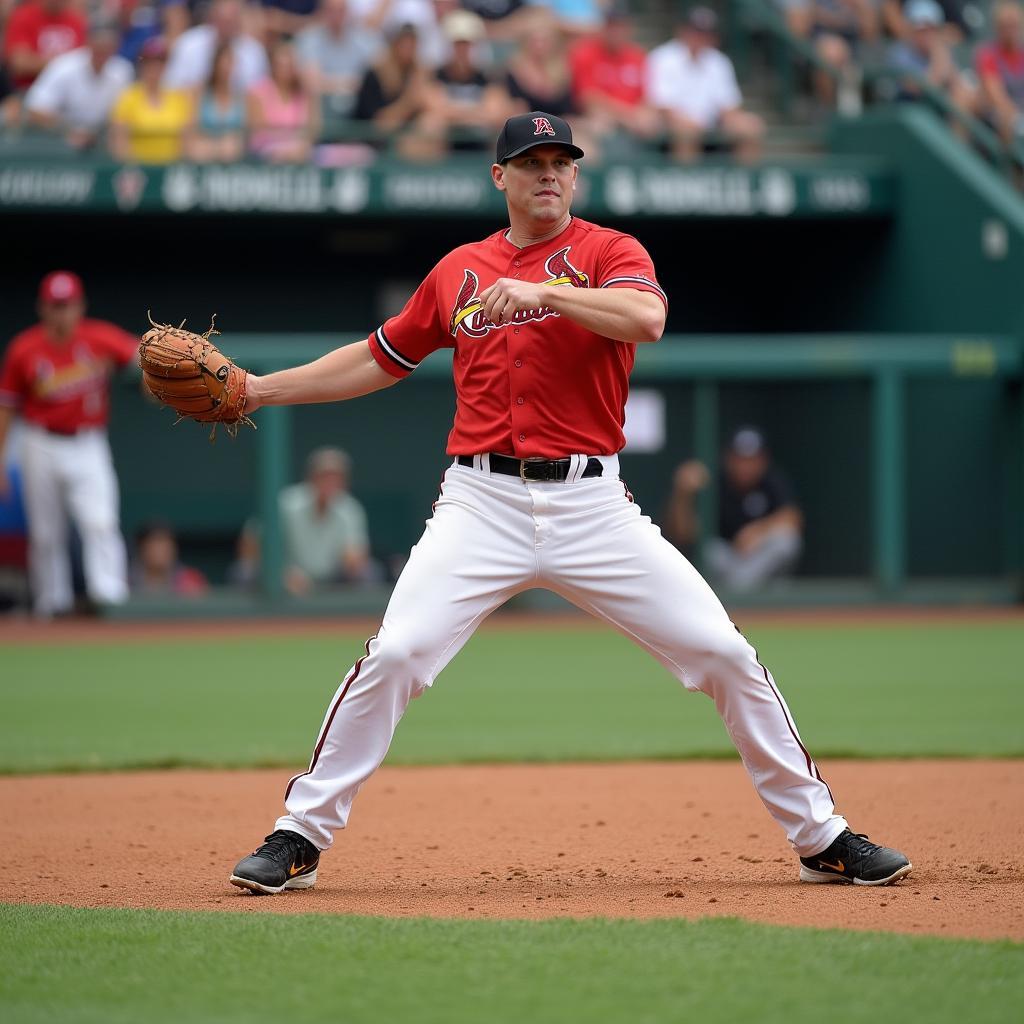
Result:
x=520 y=400
x=517 y=263
x=522 y=437
x=515 y=330
x=519 y=362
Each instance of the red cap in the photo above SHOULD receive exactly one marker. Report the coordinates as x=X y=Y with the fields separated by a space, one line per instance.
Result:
x=61 y=286
x=155 y=48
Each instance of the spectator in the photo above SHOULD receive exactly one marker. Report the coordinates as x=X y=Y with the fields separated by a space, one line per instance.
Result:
x=10 y=102
x=839 y=28
x=149 y=20
x=1001 y=71
x=608 y=72
x=334 y=55
x=464 y=102
x=156 y=569
x=286 y=17
x=961 y=19
x=537 y=75
x=149 y=120
x=759 y=522
x=503 y=19
x=425 y=16
x=393 y=93
x=324 y=527
x=38 y=31
x=56 y=375
x=694 y=85
x=576 y=17
x=925 y=56
x=77 y=90
x=282 y=113
x=217 y=134
x=192 y=54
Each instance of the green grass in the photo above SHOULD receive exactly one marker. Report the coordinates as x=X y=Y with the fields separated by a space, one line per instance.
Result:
x=899 y=690
x=110 y=966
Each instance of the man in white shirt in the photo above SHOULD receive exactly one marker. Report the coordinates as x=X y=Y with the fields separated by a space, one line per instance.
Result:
x=694 y=85
x=76 y=91
x=335 y=53
x=192 y=54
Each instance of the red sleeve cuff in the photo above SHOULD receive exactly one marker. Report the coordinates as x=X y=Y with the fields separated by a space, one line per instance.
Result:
x=644 y=284
x=390 y=358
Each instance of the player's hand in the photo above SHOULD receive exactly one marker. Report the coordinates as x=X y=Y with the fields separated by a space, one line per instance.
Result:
x=749 y=537
x=692 y=476
x=507 y=296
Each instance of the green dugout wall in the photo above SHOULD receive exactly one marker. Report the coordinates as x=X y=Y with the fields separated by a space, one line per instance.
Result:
x=864 y=308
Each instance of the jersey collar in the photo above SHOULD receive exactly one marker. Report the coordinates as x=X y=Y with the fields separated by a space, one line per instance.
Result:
x=510 y=247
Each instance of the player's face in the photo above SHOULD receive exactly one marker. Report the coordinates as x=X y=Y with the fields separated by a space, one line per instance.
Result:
x=746 y=471
x=60 y=318
x=538 y=184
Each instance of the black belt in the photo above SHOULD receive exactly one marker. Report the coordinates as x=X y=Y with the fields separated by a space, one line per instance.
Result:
x=546 y=470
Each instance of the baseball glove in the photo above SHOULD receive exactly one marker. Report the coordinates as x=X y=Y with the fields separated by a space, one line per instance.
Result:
x=190 y=374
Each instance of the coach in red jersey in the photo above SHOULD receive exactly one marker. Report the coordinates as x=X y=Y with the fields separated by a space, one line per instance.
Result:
x=544 y=317
x=56 y=377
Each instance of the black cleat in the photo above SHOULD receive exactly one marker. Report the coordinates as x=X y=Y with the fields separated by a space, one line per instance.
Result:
x=286 y=860
x=852 y=859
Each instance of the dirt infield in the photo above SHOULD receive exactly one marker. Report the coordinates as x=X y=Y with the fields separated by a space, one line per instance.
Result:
x=618 y=840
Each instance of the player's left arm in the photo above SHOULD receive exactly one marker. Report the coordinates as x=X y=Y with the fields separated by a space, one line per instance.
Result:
x=625 y=314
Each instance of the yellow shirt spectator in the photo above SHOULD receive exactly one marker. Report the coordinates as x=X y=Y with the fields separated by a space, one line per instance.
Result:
x=150 y=125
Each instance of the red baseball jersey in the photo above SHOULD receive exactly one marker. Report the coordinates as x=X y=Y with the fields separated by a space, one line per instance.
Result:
x=619 y=74
x=540 y=385
x=62 y=385
x=48 y=34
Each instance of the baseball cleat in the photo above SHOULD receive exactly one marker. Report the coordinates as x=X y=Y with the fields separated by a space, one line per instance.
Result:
x=286 y=860
x=854 y=860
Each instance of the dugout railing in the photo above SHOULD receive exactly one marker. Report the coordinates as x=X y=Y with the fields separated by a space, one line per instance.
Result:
x=888 y=364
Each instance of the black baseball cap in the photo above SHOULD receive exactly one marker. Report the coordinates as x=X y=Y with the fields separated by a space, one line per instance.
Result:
x=533 y=129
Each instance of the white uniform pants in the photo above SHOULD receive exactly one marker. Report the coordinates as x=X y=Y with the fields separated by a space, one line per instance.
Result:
x=493 y=536
x=72 y=475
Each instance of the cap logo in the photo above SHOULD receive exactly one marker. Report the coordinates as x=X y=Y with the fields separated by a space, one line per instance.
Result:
x=61 y=286
x=542 y=126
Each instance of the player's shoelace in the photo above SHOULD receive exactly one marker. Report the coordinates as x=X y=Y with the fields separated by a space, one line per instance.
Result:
x=281 y=846
x=858 y=844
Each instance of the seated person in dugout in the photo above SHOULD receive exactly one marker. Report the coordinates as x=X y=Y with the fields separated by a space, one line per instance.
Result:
x=323 y=529
x=759 y=522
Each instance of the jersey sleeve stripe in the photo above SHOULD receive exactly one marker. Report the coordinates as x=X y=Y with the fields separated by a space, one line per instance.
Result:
x=393 y=353
x=644 y=281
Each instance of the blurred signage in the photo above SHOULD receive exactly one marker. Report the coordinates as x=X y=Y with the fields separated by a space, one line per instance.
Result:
x=388 y=189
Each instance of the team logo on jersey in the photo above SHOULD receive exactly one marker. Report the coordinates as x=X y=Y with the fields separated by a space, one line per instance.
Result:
x=542 y=126
x=468 y=317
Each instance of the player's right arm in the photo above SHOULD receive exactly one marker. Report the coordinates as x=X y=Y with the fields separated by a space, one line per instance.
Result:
x=347 y=372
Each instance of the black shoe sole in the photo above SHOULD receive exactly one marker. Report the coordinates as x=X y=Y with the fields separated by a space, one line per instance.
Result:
x=306 y=881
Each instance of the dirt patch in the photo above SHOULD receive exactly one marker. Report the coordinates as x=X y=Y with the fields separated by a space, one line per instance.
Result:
x=533 y=841
x=24 y=630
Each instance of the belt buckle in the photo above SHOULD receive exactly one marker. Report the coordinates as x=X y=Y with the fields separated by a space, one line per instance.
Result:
x=522 y=465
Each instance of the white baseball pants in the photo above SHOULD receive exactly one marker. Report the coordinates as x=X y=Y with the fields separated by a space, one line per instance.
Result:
x=493 y=536
x=73 y=475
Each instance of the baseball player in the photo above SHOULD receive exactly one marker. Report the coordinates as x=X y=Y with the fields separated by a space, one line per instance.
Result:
x=544 y=318
x=56 y=377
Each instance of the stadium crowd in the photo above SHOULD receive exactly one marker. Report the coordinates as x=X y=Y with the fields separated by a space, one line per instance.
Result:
x=335 y=81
